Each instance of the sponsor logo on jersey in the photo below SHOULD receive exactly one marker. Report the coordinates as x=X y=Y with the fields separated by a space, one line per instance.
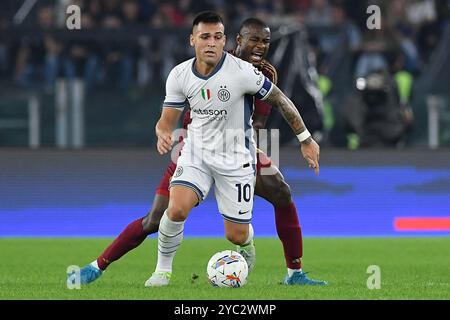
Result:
x=210 y=112
x=215 y=114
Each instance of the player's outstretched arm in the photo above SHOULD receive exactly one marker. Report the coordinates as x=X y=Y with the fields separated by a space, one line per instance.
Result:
x=164 y=128
x=310 y=149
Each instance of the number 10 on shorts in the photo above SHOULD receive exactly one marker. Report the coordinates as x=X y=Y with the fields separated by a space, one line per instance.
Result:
x=244 y=192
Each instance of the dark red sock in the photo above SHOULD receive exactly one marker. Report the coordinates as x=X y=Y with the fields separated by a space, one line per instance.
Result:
x=130 y=238
x=290 y=234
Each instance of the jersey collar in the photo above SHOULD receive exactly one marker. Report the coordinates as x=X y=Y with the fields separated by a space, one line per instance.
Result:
x=216 y=69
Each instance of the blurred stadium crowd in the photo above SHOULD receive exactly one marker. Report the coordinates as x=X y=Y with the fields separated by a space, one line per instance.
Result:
x=33 y=52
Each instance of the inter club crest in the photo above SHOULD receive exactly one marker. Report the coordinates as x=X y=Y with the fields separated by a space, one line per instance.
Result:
x=223 y=94
x=179 y=172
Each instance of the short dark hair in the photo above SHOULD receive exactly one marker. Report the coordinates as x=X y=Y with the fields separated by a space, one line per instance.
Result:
x=253 y=22
x=206 y=17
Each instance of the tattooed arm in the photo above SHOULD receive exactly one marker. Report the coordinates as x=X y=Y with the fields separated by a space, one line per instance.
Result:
x=288 y=110
x=310 y=149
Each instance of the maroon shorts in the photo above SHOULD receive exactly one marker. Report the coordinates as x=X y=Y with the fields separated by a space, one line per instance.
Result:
x=263 y=160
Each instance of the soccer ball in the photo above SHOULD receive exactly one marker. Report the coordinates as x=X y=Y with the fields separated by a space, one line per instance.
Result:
x=227 y=269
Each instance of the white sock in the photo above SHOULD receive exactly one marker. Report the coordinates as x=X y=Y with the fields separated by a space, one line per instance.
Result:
x=291 y=271
x=170 y=236
x=95 y=264
x=250 y=236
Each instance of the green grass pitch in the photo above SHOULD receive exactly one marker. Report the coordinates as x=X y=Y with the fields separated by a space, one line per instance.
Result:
x=411 y=268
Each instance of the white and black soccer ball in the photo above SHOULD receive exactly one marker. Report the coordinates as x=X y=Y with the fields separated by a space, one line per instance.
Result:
x=227 y=269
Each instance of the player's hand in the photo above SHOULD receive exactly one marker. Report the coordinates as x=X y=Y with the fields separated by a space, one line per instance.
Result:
x=165 y=141
x=311 y=153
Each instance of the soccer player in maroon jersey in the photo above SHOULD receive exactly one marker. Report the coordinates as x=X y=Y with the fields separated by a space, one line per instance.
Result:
x=253 y=43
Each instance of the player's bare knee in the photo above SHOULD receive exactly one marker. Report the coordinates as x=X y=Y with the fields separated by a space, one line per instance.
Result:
x=177 y=213
x=284 y=196
x=149 y=225
x=281 y=195
x=151 y=221
x=156 y=214
x=237 y=237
